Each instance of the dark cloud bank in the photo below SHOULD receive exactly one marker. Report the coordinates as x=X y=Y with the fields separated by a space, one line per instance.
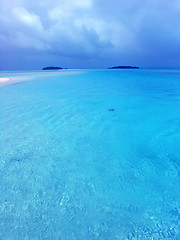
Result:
x=89 y=33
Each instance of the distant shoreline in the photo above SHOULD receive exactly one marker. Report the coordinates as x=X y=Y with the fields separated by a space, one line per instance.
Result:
x=52 y=68
x=123 y=67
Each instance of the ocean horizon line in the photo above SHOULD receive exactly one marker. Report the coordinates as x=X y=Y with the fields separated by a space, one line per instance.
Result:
x=66 y=69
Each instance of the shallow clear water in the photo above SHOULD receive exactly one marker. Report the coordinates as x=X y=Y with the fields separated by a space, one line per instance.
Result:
x=72 y=168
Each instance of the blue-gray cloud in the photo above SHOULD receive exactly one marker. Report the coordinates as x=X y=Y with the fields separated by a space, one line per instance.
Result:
x=89 y=33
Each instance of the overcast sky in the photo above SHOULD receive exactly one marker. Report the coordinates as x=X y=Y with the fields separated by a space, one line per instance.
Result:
x=89 y=33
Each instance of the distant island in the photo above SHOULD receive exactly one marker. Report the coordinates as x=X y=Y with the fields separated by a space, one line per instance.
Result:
x=123 y=67
x=52 y=68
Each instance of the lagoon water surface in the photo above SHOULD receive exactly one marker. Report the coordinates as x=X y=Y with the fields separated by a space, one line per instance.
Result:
x=90 y=155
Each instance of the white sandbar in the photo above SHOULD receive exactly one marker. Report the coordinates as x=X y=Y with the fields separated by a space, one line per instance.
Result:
x=4 y=79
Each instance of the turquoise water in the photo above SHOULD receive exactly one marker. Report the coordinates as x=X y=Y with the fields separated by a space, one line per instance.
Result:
x=90 y=155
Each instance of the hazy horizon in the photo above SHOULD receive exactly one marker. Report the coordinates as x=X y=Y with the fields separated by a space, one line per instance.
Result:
x=65 y=68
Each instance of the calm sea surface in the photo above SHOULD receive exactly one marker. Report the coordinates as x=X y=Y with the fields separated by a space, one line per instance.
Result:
x=90 y=155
